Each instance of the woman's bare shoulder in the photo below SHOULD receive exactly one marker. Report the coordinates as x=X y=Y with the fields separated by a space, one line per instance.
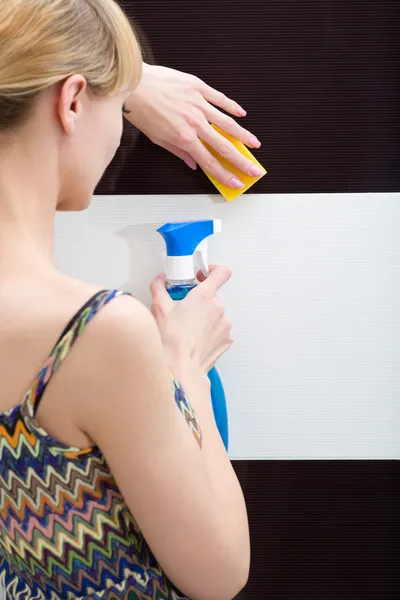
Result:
x=99 y=363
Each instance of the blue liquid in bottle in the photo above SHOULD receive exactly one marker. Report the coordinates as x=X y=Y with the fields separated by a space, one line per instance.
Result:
x=179 y=292
x=218 y=399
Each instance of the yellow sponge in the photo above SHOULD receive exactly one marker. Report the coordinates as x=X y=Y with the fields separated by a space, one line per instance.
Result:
x=229 y=193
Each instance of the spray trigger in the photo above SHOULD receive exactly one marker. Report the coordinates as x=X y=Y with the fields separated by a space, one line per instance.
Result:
x=201 y=258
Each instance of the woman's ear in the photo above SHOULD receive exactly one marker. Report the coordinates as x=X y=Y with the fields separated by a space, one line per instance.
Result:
x=70 y=107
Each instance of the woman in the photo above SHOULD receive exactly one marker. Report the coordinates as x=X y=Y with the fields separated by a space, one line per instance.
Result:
x=114 y=481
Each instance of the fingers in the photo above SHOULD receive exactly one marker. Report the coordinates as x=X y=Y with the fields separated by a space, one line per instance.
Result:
x=200 y=275
x=221 y=338
x=220 y=100
x=162 y=302
x=218 y=277
x=211 y=164
x=231 y=126
x=226 y=149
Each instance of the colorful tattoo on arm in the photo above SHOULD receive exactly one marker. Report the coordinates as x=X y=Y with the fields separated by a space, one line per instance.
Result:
x=187 y=411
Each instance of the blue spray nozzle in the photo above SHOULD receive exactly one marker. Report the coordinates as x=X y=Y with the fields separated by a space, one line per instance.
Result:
x=187 y=248
x=182 y=239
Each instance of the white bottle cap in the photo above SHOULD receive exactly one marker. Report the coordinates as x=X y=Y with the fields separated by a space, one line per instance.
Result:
x=179 y=268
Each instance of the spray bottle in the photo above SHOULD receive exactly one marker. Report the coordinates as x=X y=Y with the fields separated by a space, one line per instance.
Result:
x=187 y=249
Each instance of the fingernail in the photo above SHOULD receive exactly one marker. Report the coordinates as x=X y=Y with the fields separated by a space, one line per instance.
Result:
x=241 y=112
x=191 y=164
x=253 y=141
x=236 y=183
x=256 y=171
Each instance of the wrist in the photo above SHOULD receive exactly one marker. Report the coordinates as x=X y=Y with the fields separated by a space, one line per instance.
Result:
x=185 y=371
x=138 y=91
x=146 y=68
x=137 y=100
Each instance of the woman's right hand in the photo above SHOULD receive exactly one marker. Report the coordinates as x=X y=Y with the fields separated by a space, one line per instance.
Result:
x=195 y=331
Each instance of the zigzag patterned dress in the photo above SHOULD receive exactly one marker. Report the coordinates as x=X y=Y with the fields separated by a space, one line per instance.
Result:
x=65 y=530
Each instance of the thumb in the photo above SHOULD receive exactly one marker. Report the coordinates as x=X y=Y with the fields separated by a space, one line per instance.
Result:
x=161 y=299
x=185 y=156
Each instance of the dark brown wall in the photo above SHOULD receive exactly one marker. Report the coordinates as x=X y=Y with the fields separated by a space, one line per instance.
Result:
x=323 y=530
x=319 y=78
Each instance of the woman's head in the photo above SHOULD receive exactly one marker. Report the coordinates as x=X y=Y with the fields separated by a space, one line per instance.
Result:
x=71 y=64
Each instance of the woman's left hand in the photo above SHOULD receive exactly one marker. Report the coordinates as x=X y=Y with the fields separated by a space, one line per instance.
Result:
x=175 y=110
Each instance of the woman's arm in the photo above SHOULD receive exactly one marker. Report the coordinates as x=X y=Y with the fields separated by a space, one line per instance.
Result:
x=175 y=110
x=186 y=500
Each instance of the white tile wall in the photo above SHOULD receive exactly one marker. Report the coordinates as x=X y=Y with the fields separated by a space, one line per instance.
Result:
x=315 y=301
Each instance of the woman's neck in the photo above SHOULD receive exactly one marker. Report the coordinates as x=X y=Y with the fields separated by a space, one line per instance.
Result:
x=28 y=200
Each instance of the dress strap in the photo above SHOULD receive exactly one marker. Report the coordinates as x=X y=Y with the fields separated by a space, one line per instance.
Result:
x=71 y=333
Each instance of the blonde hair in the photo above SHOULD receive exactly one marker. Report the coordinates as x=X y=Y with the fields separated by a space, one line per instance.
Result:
x=43 y=42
